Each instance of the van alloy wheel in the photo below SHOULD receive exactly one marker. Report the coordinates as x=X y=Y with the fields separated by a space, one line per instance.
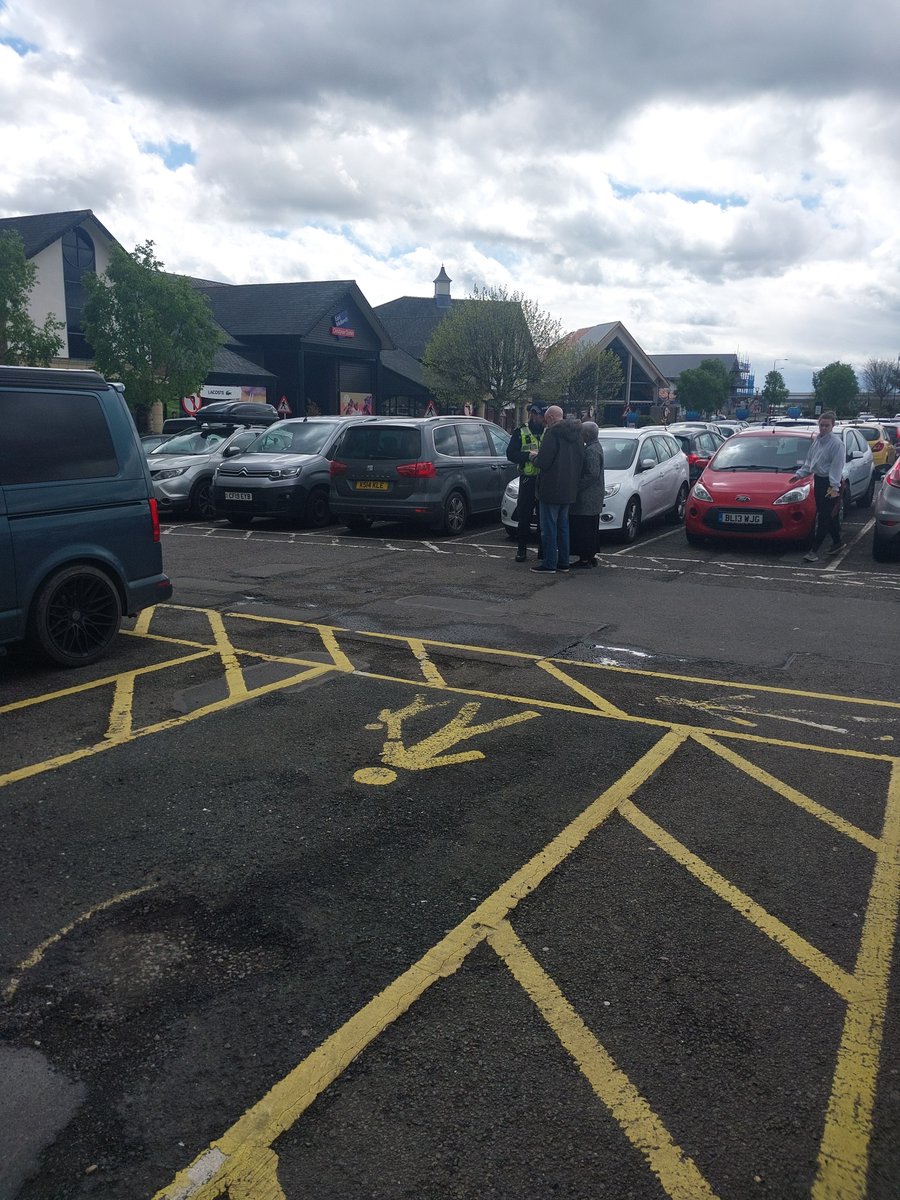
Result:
x=76 y=614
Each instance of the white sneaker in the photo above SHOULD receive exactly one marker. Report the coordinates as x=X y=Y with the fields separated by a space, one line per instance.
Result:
x=810 y=556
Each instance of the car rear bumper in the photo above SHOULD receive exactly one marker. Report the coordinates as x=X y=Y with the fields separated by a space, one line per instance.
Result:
x=388 y=510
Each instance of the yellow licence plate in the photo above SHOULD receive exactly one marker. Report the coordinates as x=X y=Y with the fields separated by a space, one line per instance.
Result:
x=371 y=485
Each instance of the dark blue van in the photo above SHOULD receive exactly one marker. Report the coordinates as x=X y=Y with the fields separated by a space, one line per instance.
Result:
x=79 y=529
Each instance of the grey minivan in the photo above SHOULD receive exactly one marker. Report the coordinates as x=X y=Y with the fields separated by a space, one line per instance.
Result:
x=79 y=529
x=432 y=470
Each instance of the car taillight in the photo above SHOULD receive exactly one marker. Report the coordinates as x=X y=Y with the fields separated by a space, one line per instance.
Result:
x=336 y=468
x=893 y=475
x=154 y=519
x=418 y=470
x=698 y=459
x=876 y=446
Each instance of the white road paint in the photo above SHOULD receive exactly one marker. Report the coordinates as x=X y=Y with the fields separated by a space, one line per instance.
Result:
x=839 y=558
x=647 y=541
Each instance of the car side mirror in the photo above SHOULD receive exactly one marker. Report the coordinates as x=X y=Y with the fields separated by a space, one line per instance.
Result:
x=852 y=454
x=231 y=451
x=647 y=464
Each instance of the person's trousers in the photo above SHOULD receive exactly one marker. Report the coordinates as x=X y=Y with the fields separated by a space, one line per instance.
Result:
x=584 y=535
x=555 y=535
x=527 y=506
x=827 y=510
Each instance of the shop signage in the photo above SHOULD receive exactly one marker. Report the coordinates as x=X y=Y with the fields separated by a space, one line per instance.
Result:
x=211 y=392
x=342 y=331
x=342 y=318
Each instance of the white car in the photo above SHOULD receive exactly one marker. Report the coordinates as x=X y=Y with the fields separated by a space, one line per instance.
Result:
x=646 y=474
x=859 y=468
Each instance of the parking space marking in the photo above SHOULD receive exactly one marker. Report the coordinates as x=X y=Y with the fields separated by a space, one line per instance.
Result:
x=677 y=1173
x=839 y=558
x=38 y=953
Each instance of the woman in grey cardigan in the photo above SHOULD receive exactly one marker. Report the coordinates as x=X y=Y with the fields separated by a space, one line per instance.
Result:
x=584 y=515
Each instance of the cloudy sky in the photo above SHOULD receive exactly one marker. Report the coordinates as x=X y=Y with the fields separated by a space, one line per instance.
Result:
x=717 y=175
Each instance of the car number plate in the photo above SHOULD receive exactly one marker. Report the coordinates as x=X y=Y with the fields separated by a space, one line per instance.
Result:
x=371 y=485
x=740 y=518
x=238 y=495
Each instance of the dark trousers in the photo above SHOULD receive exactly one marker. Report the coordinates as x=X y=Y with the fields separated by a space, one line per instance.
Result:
x=527 y=507
x=584 y=535
x=827 y=509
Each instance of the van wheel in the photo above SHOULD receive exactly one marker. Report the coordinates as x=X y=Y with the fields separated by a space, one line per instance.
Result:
x=317 y=513
x=631 y=522
x=866 y=499
x=75 y=615
x=202 y=506
x=455 y=515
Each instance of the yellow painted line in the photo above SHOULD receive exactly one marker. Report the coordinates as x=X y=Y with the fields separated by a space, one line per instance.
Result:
x=330 y=642
x=804 y=952
x=37 y=954
x=429 y=670
x=211 y=650
x=120 y=713
x=142 y=624
x=844 y=1150
x=678 y=1174
x=284 y=1103
x=599 y=702
x=92 y=684
x=789 y=793
x=234 y=676
x=73 y=756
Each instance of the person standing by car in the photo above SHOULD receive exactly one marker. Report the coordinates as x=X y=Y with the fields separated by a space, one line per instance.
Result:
x=825 y=462
x=584 y=515
x=524 y=439
x=559 y=462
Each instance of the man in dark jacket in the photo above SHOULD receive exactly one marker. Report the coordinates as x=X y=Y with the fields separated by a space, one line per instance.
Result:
x=525 y=439
x=559 y=462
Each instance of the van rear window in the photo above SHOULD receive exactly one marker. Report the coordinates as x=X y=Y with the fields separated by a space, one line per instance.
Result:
x=53 y=436
x=374 y=442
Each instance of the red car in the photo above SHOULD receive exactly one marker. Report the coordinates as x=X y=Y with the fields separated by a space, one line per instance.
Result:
x=745 y=490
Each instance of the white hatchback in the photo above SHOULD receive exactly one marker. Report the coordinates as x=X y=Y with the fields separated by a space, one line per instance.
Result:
x=646 y=475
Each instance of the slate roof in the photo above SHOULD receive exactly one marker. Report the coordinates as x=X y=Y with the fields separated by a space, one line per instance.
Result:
x=42 y=230
x=226 y=362
x=405 y=365
x=411 y=320
x=672 y=365
x=605 y=334
x=278 y=309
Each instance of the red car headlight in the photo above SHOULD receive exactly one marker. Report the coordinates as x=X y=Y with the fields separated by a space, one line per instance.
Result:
x=795 y=496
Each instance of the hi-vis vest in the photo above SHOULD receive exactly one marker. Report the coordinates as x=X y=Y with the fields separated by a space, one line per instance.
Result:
x=530 y=441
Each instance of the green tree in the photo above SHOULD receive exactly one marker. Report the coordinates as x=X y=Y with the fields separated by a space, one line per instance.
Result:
x=775 y=390
x=492 y=346
x=22 y=341
x=152 y=331
x=879 y=378
x=581 y=377
x=837 y=388
x=706 y=388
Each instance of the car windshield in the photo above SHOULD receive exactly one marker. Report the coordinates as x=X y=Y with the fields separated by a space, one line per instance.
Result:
x=618 y=453
x=306 y=438
x=782 y=452
x=203 y=441
x=381 y=441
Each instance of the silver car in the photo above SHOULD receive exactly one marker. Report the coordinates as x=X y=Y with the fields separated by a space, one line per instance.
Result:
x=283 y=474
x=886 y=542
x=182 y=468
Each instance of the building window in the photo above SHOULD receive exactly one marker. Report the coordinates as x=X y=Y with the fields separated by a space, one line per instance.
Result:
x=78 y=257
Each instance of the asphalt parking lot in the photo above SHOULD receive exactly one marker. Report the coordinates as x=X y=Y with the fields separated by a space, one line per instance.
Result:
x=378 y=866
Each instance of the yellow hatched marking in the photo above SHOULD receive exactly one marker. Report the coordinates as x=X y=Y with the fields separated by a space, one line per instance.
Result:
x=234 y=676
x=804 y=952
x=677 y=1173
x=844 y=1150
x=120 y=714
x=429 y=670
x=37 y=954
x=330 y=642
x=606 y=707
x=289 y=1098
x=142 y=624
x=789 y=793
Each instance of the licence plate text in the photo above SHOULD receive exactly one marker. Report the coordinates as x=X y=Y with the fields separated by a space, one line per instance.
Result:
x=238 y=495
x=739 y=518
x=371 y=485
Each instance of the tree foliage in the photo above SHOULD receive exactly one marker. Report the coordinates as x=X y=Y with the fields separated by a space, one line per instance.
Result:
x=837 y=388
x=581 y=377
x=775 y=390
x=152 y=331
x=880 y=378
x=706 y=388
x=22 y=341
x=492 y=347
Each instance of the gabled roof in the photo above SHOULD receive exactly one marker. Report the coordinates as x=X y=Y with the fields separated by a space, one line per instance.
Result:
x=226 y=362
x=42 y=230
x=604 y=335
x=674 y=364
x=278 y=309
x=405 y=365
x=411 y=320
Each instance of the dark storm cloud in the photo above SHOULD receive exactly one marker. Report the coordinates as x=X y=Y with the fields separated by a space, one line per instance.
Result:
x=588 y=61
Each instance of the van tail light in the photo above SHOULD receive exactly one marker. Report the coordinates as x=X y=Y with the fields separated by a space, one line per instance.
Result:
x=418 y=470
x=877 y=446
x=336 y=468
x=154 y=519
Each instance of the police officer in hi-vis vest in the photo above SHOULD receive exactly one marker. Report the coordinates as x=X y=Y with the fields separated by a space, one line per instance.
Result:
x=525 y=439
